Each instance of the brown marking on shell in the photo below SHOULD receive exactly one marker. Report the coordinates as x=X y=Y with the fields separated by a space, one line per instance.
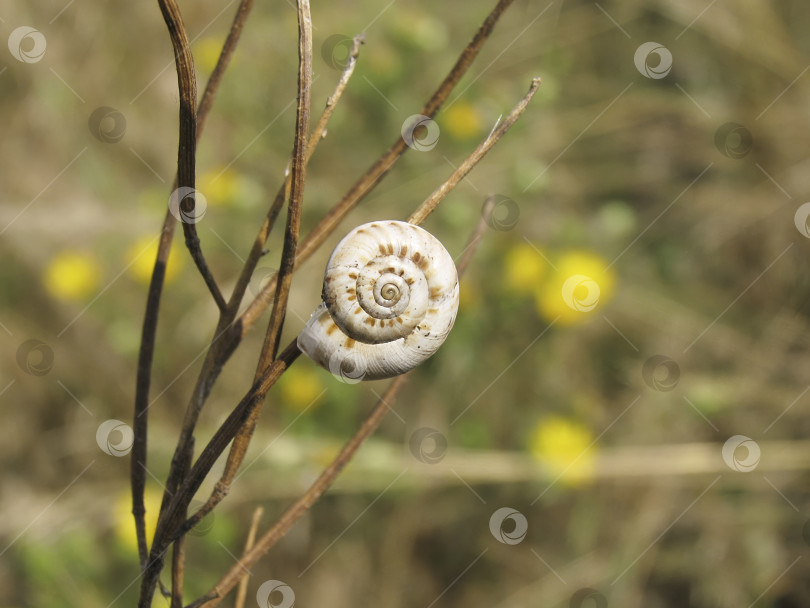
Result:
x=416 y=257
x=331 y=329
x=370 y=321
x=352 y=275
x=423 y=263
x=358 y=310
x=349 y=343
x=382 y=249
x=390 y=248
x=403 y=250
x=352 y=298
x=435 y=292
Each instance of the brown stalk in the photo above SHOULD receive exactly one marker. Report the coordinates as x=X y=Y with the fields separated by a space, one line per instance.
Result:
x=257 y=251
x=213 y=361
x=331 y=472
x=241 y=592
x=149 y=329
x=431 y=202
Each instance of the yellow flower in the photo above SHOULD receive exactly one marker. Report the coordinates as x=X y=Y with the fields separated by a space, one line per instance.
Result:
x=125 y=524
x=220 y=187
x=462 y=121
x=71 y=275
x=206 y=53
x=299 y=387
x=580 y=285
x=524 y=268
x=562 y=445
x=142 y=256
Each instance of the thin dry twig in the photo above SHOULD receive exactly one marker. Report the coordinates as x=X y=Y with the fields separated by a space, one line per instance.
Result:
x=149 y=330
x=213 y=361
x=241 y=591
x=257 y=250
x=431 y=202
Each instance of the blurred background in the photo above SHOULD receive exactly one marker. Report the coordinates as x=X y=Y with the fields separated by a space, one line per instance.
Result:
x=634 y=436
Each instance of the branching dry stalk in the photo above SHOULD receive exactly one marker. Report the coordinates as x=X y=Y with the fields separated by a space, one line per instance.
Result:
x=293 y=513
x=185 y=475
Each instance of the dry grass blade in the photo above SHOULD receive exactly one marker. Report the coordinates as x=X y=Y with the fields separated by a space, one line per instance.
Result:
x=241 y=592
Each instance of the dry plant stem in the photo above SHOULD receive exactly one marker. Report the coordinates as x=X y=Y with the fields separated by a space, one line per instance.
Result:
x=298 y=178
x=296 y=181
x=431 y=202
x=371 y=177
x=214 y=359
x=477 y=235
x=300 y=506
x=149 y=330
x=178 y=559
x=285 y=272
x=187 y=146
x=241 y=591
x=331 y=472
x=171 y=527
x=257 y=251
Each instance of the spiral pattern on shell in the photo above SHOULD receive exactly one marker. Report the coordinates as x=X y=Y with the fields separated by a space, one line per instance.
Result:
x=390 y=297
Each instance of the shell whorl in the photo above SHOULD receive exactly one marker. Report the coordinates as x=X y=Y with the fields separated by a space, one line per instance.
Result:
x=390 y=297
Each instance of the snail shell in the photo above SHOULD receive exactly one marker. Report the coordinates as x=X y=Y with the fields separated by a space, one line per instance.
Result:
x=390 y=297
